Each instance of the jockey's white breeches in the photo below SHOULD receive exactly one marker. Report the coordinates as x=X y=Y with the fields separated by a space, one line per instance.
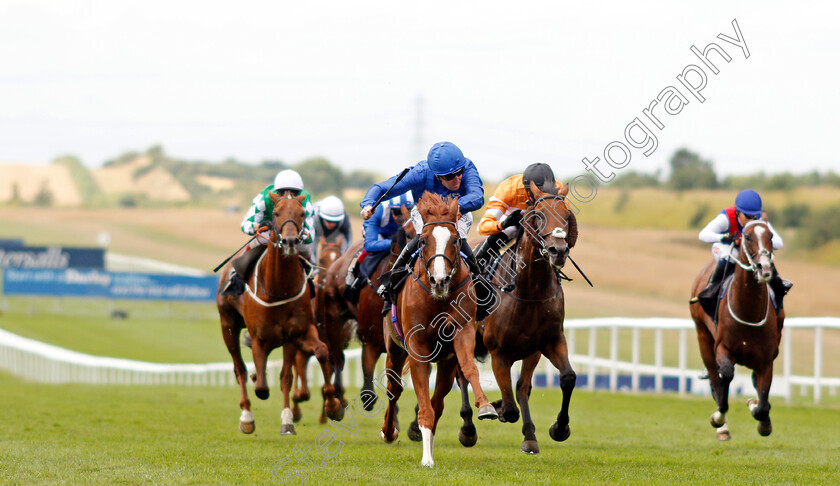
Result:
x=721 y=250
x=464 y=223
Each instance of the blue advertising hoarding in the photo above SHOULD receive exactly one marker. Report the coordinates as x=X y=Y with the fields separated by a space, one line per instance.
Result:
x=13 y=255
x=99 y=283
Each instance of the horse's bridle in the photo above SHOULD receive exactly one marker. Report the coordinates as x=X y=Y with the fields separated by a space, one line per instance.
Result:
x=452 y=263
x=758 y=253
x=275 y=230
x=556 y=232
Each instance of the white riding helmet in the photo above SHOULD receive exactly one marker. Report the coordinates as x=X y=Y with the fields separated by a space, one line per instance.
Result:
x=288 y=179
x=331 y=209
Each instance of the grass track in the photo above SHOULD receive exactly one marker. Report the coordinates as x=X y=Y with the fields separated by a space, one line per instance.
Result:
x=167 y=435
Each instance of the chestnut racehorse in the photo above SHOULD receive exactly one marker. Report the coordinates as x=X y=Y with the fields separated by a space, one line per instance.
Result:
x=529 y=319
x=435 y=322
x=276 y=310
x=328 y=253
x=748 y=329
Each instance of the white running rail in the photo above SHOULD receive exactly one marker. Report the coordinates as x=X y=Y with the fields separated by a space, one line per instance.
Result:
x=44 y=363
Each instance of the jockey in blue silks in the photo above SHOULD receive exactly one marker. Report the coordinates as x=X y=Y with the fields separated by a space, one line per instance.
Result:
x=724 y=232
x=446 y=172
x=378 y=233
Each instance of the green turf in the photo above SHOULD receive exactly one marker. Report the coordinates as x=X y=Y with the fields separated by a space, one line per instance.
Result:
x=76 y=434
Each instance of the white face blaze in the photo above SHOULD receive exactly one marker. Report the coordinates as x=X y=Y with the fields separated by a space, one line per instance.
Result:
x=764 y=258
x=441 y=236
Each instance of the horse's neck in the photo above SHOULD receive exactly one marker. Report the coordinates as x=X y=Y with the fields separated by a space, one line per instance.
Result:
x=280 y=274
x=537 y=269
x=748 y=296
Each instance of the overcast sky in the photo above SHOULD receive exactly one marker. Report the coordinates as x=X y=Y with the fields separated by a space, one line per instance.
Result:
x=510 y=83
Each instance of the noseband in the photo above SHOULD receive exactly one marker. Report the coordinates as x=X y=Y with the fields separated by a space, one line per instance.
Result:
x=556 y=232
x=758 y=253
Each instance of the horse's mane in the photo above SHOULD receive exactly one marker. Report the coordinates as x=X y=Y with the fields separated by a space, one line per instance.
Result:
x=433 y=207
x=572 y=237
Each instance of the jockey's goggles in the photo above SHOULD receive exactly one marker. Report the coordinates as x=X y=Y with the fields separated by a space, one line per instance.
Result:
x=452 y=175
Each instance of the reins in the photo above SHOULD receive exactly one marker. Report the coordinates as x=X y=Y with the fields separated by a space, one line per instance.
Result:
x=749 y=268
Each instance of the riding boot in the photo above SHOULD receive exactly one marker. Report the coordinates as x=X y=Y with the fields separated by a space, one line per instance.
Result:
x=240 y=266
x=401 y=268
x=714 y=281
x=485 y=294
x=490 y=244
x=780 y=287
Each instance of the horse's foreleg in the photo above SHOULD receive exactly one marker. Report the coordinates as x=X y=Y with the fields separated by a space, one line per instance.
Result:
x=523 y=394
x=260 y=357
x=464 y=344
x=230 y=332
x=707 y=352
x=760 y=410
x=467 y=435
x=726 y=372
x=393 y=369
x=501 y=369
x=312 y=344
x=426 y=413
x=369 y=357
x=287 y=416
x=558 y=354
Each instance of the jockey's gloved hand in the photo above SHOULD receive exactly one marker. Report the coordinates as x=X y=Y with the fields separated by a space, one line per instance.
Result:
x=513 y=219
x=727 y=238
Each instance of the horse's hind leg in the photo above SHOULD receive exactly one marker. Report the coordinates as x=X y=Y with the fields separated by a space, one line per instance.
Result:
x=301 y=393
x=232 y=324
x=707 y=352
x=369 y=356
x=393 y=367
x=312 y=344
x=558 y=354
x=414 y=428
x=523 y=394
x=501 y=369
x=467 y=435
x=443 y=384
x=761 y=410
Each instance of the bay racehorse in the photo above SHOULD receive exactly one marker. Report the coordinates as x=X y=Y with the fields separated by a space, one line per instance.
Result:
x=434 y=321
x=328 y=253
x=367 y=311
x=276 y=309
x=529 y=319
x=748 y=330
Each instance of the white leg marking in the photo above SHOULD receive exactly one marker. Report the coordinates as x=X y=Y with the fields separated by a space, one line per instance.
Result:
x=246 y=417
x=428 y=443
x=286 y=416
x=442 y=236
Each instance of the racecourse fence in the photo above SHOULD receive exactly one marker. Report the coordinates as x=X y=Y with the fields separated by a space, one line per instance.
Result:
x=600 y=366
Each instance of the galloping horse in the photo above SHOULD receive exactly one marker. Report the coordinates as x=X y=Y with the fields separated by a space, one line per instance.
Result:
x=434 y=322
x=529 y=319
x=748 y=329
x=367 y=312
x=328 y=252
x=276 y=310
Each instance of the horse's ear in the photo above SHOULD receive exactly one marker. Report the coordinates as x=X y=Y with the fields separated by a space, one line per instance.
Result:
x=301 y=198
x=453 y=206
x=534 y=191
x=572 y=236
x=274 y=197
x=564 y=191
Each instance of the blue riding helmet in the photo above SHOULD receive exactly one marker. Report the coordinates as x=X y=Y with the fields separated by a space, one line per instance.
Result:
x=445 y=158
x=748 y=202
x=405 y=199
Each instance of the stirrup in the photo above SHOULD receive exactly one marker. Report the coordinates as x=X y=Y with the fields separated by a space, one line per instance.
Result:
x=382 y=291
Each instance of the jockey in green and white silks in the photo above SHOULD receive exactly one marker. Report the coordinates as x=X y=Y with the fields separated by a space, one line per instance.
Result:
x=260 y=213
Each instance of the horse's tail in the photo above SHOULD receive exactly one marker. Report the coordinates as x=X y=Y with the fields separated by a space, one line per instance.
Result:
x=481 y=350
x=405 y=369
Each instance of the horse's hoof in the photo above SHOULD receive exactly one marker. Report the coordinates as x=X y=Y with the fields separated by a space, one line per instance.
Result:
x=717 y=419
x=368 y=400
x=511 y=415
x=296 y=415
x=723 y=434
x=261 y=393
x=557 y=434
x=765 y=428
x=287 y=430
x=488 y=412
x=299 y=397
x=430 y=463
x=530 y=447
x=467 y=440
x=388 y=440
x=334 y=410
x=414 y=432
x=247 y=427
